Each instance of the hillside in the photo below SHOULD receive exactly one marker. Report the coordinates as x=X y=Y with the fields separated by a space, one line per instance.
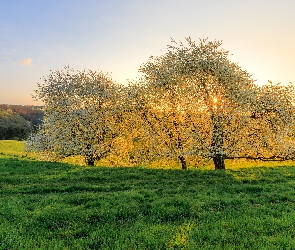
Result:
x=17 y=121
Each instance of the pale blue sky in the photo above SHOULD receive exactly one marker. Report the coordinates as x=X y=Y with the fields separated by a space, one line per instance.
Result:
x=117 y=36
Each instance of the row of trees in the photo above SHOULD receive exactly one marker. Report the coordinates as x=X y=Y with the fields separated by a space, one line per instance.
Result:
x=190 y=102
x=17 y=121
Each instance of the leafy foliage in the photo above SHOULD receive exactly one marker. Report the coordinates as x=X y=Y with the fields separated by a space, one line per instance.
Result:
x=33 y=114
x=13 y=126
x=16 y=121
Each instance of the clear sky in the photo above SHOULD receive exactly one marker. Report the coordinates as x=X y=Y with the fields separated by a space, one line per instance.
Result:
x=117 y=36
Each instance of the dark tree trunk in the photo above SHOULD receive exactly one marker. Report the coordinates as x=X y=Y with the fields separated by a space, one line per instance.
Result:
x=183 y=162
x=90 y=160
x=218 y=160
x=217 y=142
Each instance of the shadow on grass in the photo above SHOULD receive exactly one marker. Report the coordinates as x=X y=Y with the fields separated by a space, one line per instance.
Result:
x=138 y=208
x=24 y=176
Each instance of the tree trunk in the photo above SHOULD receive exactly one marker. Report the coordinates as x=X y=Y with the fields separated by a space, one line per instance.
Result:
x=90 y=160
x=218 y=160
x=183 y=162
x=217 y=142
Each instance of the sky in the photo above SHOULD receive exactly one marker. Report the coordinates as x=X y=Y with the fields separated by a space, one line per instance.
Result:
x=117 y=36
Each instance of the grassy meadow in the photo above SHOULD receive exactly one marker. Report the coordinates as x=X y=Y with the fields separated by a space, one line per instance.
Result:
x=45 y=205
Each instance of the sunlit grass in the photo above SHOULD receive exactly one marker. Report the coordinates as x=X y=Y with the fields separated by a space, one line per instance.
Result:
x=11 y=148
x=238 y=164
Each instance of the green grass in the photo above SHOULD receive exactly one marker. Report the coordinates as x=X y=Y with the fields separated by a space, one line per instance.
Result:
x=10 y=148
x=47 y=205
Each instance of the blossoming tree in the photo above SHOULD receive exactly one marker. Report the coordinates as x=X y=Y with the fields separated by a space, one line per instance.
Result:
x=190 y=101
x=81 y=114
x=201 y=103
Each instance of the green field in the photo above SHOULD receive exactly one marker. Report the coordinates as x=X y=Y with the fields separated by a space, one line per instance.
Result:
x=47 y=205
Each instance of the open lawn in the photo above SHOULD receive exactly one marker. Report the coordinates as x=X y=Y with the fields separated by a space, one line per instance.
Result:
x=47 y=205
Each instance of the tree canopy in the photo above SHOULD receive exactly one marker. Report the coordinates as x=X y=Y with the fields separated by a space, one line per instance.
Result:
x=218 y=110
x=81 y=110
x=192 y=101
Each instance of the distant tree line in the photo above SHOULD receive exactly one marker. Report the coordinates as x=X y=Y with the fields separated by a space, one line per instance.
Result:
x=17 y=121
